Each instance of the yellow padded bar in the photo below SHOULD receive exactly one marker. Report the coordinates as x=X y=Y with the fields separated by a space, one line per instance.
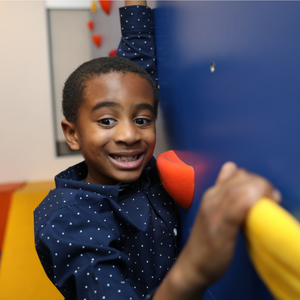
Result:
x=274 y=245
x=21 y=273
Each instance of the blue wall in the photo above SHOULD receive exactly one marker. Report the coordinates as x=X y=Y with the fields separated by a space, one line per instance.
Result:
x=246 y=111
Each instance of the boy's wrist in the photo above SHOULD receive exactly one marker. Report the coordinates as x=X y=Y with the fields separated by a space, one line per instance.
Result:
x=132 y=2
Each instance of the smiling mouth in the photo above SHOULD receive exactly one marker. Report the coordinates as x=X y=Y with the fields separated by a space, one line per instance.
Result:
x=125 y=158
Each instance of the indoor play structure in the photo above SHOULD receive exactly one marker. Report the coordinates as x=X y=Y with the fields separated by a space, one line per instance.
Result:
x=229 y=90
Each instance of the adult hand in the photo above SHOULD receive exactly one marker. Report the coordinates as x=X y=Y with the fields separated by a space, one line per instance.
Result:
x=223 y=210
x=211 y=244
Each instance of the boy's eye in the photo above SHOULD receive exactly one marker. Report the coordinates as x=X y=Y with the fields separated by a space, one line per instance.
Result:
x=107 y=122
x=141 y=121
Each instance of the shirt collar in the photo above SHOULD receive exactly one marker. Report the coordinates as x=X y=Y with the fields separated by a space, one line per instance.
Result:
x=73 y=178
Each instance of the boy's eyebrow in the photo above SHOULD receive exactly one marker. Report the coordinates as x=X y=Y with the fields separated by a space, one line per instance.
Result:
x=115 y=104
x=105 y=104
x=145 y=106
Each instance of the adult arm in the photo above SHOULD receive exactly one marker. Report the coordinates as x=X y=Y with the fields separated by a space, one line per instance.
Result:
x=210 y=246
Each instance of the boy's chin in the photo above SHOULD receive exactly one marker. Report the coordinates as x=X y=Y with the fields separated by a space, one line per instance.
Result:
x=130 y=180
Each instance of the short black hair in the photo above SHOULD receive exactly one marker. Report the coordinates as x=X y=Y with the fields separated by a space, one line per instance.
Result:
x=74 y=89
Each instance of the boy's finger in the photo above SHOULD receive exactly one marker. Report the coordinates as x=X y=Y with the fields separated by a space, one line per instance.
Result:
x=226 y=171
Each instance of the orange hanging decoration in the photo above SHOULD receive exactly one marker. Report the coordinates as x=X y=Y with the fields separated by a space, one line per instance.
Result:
x=93 y=7
x=97 y=40
x=113 y=52
x=91 y=25
x=105 y=4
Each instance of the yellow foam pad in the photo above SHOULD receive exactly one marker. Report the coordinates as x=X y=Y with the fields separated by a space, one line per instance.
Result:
x=21 y=274
x=274 y=245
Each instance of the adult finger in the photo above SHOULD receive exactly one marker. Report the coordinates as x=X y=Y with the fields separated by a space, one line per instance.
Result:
x=226 y=171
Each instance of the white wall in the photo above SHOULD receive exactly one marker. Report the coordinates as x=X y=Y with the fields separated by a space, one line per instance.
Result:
x=27 y=151
x=27 y=147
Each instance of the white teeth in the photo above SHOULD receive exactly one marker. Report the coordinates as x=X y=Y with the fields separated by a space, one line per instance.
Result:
x=126 y=158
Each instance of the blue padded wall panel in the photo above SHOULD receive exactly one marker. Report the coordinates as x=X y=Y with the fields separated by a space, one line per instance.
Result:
x=246 y=111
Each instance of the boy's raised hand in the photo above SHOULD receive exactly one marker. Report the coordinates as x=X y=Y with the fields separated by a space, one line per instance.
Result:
x=210 y=246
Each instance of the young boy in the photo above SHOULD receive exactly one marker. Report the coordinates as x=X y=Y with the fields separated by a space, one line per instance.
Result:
x=109 y=230
x=109 y=219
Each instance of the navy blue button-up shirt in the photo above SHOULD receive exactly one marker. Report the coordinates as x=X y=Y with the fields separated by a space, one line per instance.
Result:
x=106 y=242
x=137 y=42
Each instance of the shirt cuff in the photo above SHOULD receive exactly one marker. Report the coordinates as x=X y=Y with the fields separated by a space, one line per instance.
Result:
x=136 y=19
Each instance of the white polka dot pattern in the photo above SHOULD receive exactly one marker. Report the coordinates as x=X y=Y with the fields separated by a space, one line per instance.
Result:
x=137 y=42
x=106 y=242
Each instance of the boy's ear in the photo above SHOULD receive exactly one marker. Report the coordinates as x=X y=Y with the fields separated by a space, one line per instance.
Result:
x=71 y=134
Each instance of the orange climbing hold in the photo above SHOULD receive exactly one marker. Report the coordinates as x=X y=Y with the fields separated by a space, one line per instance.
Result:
x=91 y=25
x=105 y=4
x=97 y=40
x=177 y=178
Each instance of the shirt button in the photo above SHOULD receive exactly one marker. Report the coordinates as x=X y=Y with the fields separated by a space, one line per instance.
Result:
x=175 y=231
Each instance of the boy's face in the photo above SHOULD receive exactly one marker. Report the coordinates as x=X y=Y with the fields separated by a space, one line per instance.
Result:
x=115 y=131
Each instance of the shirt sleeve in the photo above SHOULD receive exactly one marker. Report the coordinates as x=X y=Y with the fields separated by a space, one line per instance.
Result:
x=83 y=257
x=137 y=41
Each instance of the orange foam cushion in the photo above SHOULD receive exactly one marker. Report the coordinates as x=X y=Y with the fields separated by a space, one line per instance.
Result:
x=177 y=178
x=6 y=192
x=19 y=258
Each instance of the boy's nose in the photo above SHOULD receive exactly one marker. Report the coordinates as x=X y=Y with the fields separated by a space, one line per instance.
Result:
x=127 y=133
